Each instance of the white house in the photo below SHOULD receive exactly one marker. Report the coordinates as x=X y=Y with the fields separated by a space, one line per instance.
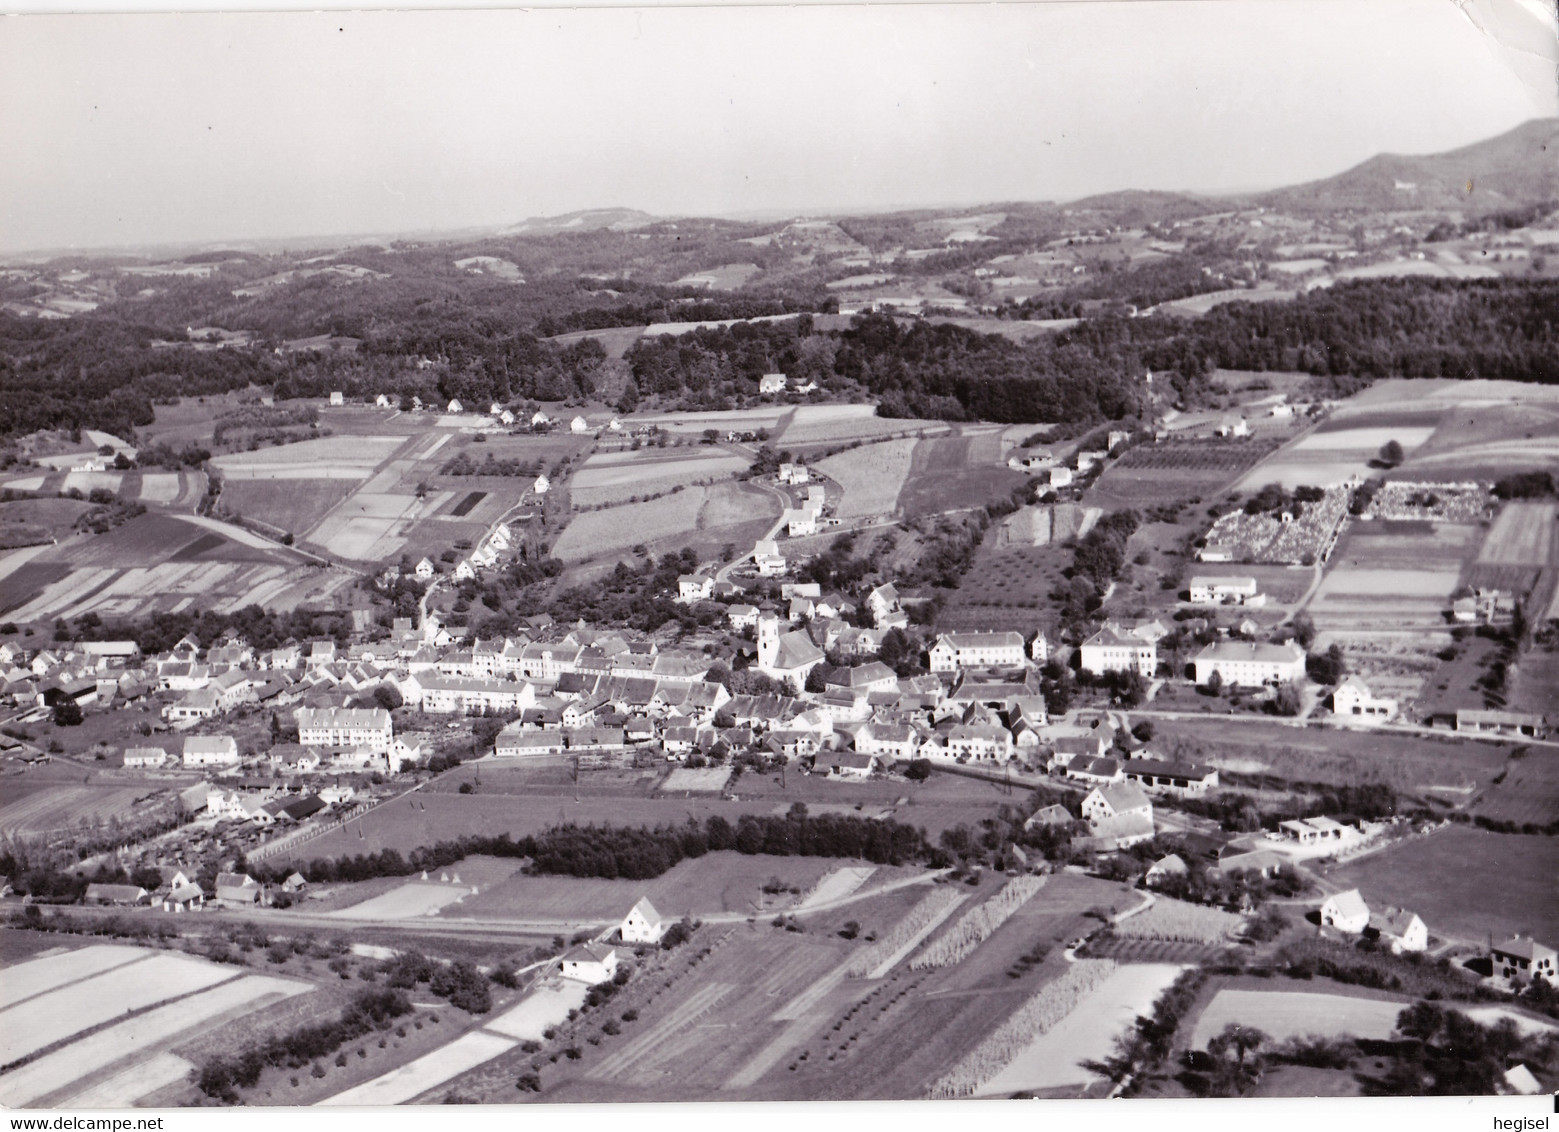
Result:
x=382 y=401
x=793 y=473
x=896 y=740
x=541 y=486
x=589 y=963
x=1116 y=799
x=210 y=750
x=506 y=418
x=1353 y=702
x=643 y=924
x=425 y=569
x=979 y=742
x=1250 y=663
x=953 y=651
x=337 y=399
x=578 y=425
x=1346 y=911
x=539 y=419
x=1164 y=868
x=695 y=587
x=800 y=522
x=1400 y=929
x=144 y=757
x=886 y=611
x=1113 y=649
x=1233 y=426
x=465 y=572
x=345 y=727
x=1216 y=591
x=456 y=407
x=771 y=383
x=742 y=616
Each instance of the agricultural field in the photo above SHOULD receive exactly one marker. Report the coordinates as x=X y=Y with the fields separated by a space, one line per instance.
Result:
x=705 y=518
x=1466 y=883
x=1527 y=790
x=61 y=807
x=964 y=471
x=1294 y=1014
x=294 y=505
x=1523 y=535
x=616 y=477
x=1007 y=586
x=1389 y=574
x=811 y=425
x=717 y=882
x=1179 y=922
x=1178 y=469
x=30 y=522
x=870 y=475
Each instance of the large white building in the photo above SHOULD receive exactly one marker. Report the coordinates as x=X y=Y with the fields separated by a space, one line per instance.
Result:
x=1113 y=649
x=210 y=750
x=1353 y=701
x=1250 y=663
x=953 y=651
x=1216 y=591
x=345 y=727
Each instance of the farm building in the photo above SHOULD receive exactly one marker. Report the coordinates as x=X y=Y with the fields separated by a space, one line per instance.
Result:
x=1233 y=426
x=1312 y=831
x=847 y=764
x=1346 y=911
x=589 y=963
x=1164 y=868
x=1521 y=959
x=1352 y=700
x=1218 y=591
x=237 y=890
x=1250 y=663
x=1120 y=831
x=1113 y=649
x=1400 y=929
x=1186 y=780
x=1503 y=722
x=1113 y=800
x=145 y=757
x=643 y=924
x=578 y=425
x=898 y=740
x=1049 y=815
x=345 y=727
x=980 y=742
x=771 y=383
x=887 y=613
x=1096 y=769
x=184 y=897
x=793 y=473
x=210 y=750
x=695 y=587
x=954 y=651
x=115 y=894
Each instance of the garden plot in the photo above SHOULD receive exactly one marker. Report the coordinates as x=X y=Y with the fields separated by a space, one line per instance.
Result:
x=548 y=1005
x=45 y=973
x=139 y=1036
x=41 y=1021
x=127 y=1086
x=1055 y=1058
x=409 y=900
x=871 y=476
x=1293 y=1014
x=427 y=1072
x=710 y=779
x=159 y=487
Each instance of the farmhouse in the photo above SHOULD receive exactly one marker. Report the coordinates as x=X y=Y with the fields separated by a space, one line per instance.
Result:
x=1352 y=700
x=1164 y=868
x=145 y=757
x=114 y=894
x=883 y=602
x=345 y=727
x=1233 y=426
x=848 y=764
x=953 y=651
x=800 y=522
x=336 y=398
x=1250 y=663
x=794 y=473
x=198 y=704
x=1521 y=959
x=1218 y=591
x=1400 y=929
x=183 y=897
x=1113 y=649
x=742 y=616
x=1114 y=800
x=771 y=383
x=1313 y=831
x=1094 y=768
x=578 y=425
x=237 y=890
x=589 y=963
x=695 y=587
x=1346 y=911
x=210 y=750
x=541 y=486
x=981 y=742
x=456 y=407
x=898 y=740
x=643 y=924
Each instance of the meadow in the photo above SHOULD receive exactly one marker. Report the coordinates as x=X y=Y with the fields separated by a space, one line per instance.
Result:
x=870 y=475
x=704 y=518
x=1528 y=789
x=1465 y=883
x=1178 y=469
x=957 y=473
x=1294 y=1014
x=616 y=477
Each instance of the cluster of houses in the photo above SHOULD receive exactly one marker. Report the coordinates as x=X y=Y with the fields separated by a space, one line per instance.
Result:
x=180 y=891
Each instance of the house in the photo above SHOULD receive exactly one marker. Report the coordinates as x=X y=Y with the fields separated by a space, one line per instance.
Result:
x=1518 y=1079
x=129 y=894
x=589 y=963
x=800 y=522
x=210 y=750
x=578 y=426
x=742 y=616
x=1206 y=590
x=345 y=727
x=1059 y=476
x=145 y=757
x=505 y=418
x=1233 y=426
x=795 y=474
x=337 y=399
x=1352 y=701
x=771 y=383
x=847 y=764
x=237 y=890
x=1164 y=868
x=980 y=742
x=1312 y=831
x=1522 y=959
x=1114 y=649
x=1503 y=722
x=516 y=742
x=887 y=613
x=1039 y=648
x=695 y=587
x=895 y=740
x=539 y=419
x=382 y=402
x=1049 y=815
x=1346 y=911
x=184 y=897
x=425 y=569
x=1097 y=769
x=1465 y=610
x=953 y=651
x=643 y=924
x=1115 y=799
x=541 y=486
x=1400 y=929
x=202 y=703
x=1250 y=663
x=465 y=572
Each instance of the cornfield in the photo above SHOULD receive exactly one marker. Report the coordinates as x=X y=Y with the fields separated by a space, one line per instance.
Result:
x=1181 y=922
x=930 y=911
x=977 y=925
x=1050 y=1004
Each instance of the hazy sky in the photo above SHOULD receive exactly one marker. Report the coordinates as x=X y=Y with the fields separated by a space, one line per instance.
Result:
x=137 y=128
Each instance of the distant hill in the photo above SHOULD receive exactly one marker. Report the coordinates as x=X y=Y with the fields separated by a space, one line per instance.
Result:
x=1136 y=206
x=590 y=220
x=1514 y=169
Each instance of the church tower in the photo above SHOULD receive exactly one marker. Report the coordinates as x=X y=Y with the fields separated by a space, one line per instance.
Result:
x=768 y=641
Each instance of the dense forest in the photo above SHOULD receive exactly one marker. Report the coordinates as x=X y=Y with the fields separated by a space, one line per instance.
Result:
x=102 y=371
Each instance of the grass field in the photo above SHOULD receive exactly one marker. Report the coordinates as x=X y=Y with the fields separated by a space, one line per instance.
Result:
x=704 y=518
x=1528 y=792
x=871 y=476
x=66 y=807
x=821 y=424
x=294 y=505
x=615 y=477
x=1292 y=1014
x=1523 y=535
x=1466 y=883
x=1005 y=582
x=956 y=472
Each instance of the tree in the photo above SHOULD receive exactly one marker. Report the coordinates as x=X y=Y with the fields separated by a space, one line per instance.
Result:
x=1287 y=701
x=1214 y=683
x=1304 y=629
x=388 y=697
x=918 y=770
x=67 y=713
x=1391 y=454
x=1328 y=667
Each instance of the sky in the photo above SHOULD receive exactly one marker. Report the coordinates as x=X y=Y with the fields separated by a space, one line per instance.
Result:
x=147 y=128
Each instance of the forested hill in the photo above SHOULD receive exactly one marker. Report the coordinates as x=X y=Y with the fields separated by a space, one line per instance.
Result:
x=98 y=371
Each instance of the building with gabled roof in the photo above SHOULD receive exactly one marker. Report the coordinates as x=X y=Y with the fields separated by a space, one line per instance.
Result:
x=589 y=963
x=953 y=651
x=1400 y=929
x=643 y=923
x=1346 y=911
x=1521 y=959
x=1114 y=649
